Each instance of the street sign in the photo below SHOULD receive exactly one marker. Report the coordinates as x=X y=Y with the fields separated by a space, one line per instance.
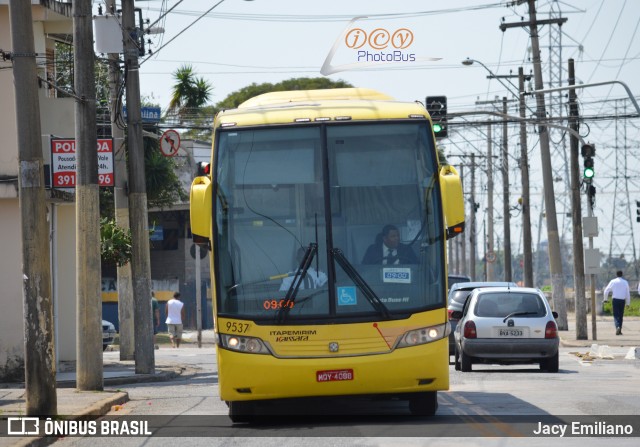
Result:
x=148 y=114
x=63 y=162
x=170 y=143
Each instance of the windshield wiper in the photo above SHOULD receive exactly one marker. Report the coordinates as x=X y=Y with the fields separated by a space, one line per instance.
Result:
x=298 y=277
x=513 y=314
x=369 y=294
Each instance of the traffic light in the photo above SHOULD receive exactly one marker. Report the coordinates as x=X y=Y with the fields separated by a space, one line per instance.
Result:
x=437 y=108
x=638 y=211
x=588 y=152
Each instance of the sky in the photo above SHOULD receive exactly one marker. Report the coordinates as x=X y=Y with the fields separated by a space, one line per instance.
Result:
x=241 y=42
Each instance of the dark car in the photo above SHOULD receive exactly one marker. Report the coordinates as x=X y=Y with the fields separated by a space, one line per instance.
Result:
x=458 y=294
x=108 y=334
x=455 y=279
x=502 y=325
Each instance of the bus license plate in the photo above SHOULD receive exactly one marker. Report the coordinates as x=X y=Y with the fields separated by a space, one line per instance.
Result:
x=334 y=375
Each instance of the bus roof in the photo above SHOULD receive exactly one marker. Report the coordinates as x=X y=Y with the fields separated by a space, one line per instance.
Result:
x=328 y=104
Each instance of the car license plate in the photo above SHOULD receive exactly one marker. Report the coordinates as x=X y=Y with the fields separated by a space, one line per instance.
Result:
x=334 y=375
x=510 y=332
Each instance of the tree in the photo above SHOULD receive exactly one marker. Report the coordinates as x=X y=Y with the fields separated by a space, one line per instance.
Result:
x=202 y=120
x=189 y=92
x=239 y=96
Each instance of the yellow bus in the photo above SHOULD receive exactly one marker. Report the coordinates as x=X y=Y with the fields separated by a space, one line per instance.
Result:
x=308 y=191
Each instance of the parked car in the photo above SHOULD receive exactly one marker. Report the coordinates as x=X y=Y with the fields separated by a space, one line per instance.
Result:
x=506 y=325
x=458 y=294
x=108 y=334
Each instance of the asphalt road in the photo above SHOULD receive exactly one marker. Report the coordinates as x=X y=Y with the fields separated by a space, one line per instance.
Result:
x=475 y=411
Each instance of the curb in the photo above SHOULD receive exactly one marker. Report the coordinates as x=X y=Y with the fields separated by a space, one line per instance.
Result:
x=161 y=376
x=98 y=409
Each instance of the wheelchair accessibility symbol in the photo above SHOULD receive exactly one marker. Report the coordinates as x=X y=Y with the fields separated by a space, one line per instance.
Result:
x=347 y=296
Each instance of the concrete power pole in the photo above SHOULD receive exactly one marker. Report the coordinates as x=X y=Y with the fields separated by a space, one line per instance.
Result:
x=576 y=214
x=140 y=264
x=490 y=243
x=508 y=275
x=125 y=296
x=526 y=197
x=39 y=353
x=555 y=259
x=472 y=210
x=463 y=239
x=88 y=274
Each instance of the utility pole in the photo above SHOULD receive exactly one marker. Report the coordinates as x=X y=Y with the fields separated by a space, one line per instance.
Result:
x=88 y=274
x=526 y=208
x=576 y=214
x=140 y=265
x=508 y=275
x=463 y=239
x=490 y=244
x=125 y=296
x=39 y=352
x=472 y=233
x=555 y=260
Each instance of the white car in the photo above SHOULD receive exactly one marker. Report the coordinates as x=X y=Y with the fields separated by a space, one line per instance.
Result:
x=108 y=334
x=506 y=325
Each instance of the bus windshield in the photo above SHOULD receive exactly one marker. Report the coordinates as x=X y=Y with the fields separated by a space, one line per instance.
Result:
x=320 y=222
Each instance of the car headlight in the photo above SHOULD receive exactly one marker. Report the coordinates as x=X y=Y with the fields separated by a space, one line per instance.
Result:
x=424 y=335
x=249 y=345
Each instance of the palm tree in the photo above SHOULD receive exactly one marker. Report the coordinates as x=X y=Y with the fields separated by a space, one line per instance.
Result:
x=189 y=92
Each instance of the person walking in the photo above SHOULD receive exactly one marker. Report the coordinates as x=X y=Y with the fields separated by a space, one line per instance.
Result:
x=175 y=316
x=619 y=289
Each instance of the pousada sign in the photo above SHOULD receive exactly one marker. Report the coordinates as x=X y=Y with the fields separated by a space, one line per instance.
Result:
x=63 y=162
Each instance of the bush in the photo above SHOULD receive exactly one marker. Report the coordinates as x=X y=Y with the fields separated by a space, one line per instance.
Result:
x=115 y=243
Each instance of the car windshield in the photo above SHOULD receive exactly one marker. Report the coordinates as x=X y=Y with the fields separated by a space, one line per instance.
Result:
x=509 y=304
x=280 y=190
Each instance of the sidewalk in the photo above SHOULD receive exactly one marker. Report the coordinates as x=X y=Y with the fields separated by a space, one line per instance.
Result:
x=605 y=332
x=73 y=404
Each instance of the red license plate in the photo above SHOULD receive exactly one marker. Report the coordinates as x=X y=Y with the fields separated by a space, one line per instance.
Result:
x=334 y=375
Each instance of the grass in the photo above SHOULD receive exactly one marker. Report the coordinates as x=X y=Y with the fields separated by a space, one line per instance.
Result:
x=633 y=311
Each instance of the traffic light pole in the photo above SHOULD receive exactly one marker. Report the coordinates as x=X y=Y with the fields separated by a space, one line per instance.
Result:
x=576 y=215
x=592 y=277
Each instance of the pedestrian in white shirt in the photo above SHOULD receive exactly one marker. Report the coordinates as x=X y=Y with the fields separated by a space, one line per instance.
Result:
x=175 y=316
x=619 y=289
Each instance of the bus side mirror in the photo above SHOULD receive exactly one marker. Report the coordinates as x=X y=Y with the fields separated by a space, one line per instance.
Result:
x=200 y=201
x=452 y=200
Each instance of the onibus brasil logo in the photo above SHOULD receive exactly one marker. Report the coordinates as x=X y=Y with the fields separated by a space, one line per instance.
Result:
x=380 y=46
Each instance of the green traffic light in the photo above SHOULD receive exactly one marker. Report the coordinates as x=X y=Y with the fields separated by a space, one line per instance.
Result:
x=589 y=173
x=437 y=128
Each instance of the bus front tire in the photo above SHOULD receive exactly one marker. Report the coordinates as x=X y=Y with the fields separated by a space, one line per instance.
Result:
x=241 y=411
x=424 y=404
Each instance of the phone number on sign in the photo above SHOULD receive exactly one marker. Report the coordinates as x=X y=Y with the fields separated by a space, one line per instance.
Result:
x=68 y=179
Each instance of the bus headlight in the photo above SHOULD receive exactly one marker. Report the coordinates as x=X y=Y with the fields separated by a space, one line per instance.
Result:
x=424 y=335
x=249 y=345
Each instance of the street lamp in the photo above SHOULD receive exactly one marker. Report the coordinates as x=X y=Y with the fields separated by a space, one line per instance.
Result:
x=505 y=180
x=511 y=88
